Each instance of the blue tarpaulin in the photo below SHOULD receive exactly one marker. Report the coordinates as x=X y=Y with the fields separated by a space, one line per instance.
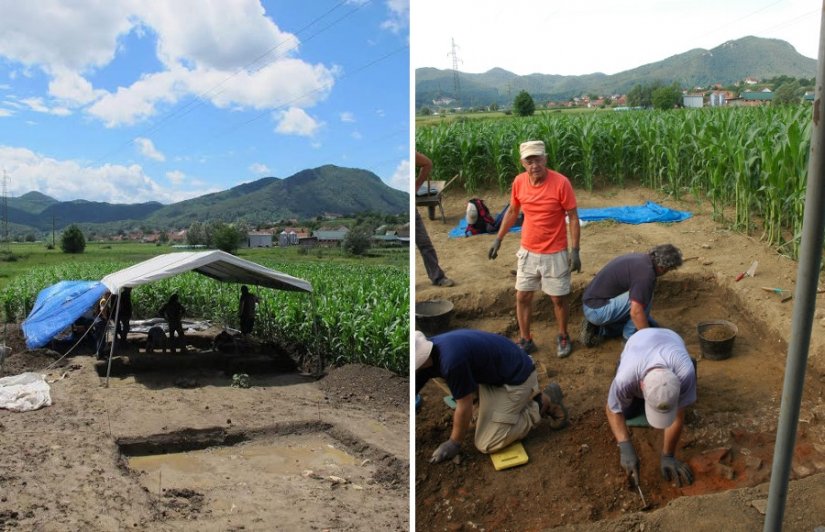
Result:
x=57 y=307
x=639 y=214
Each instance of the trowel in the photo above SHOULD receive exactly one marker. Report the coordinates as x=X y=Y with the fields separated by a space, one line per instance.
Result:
x=749 y=273
x=639 y=489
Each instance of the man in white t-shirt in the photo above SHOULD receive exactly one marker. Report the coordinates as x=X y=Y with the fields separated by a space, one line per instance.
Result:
x=656 y=376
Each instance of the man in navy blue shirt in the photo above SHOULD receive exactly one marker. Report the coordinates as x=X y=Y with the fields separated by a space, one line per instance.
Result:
x=510 y=403
x=618 y=299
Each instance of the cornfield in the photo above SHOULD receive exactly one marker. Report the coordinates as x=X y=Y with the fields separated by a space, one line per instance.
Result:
x=356 y=314
x=752 y=160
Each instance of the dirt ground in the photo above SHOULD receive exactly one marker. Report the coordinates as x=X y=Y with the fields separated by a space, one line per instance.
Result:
x=178 y=448
x=573 y=480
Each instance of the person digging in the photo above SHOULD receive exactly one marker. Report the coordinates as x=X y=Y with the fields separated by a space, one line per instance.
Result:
x=503 y=375
x=657 y=377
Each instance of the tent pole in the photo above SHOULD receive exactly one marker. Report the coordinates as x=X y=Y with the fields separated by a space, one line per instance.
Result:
x=114 y=339
x=315 y=331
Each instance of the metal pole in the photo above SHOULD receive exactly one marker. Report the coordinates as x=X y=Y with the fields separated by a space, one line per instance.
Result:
x=112 y=347
x=810 y=253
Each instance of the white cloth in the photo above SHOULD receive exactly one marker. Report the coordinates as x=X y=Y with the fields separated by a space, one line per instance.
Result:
x=24 y=392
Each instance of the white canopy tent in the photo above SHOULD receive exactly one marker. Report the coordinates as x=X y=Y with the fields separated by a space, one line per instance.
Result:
x=216 y=264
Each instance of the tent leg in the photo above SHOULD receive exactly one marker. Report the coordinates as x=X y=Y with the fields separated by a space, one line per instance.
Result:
x=114 y=339
x=320 y=364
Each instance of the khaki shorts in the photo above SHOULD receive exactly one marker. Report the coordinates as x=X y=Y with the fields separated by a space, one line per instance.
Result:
x=550 y=272
x=506 y=413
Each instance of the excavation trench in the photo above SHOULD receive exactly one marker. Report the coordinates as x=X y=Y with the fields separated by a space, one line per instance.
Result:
x=573 y=475
x=220 y=472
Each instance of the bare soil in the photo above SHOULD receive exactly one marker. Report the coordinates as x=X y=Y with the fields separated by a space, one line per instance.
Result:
x=173 y=446
x=573 y=480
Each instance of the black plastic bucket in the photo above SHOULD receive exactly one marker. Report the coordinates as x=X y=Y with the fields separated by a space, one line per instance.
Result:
x=433 y=317
x=716 y=338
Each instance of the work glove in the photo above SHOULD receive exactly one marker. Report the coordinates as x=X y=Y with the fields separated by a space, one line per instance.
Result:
x=445 y=451
x=575 y=261
x=629 y=460
x=673 y=469
x=493 y=253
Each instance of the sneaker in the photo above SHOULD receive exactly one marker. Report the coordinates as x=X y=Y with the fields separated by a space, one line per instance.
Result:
x=444 y=281
x=590 y=334
x=565 y=346
x=527 y=345
x=553 y=407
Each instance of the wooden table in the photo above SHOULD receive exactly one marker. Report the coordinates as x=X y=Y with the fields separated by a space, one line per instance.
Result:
x=429 y=195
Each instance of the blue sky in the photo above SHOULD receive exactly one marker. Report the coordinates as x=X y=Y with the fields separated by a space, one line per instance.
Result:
x=137 y=100
x=575 y=38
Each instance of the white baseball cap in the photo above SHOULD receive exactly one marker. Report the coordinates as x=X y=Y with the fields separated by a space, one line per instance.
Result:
x=661 y=390
x=531 y=147
x=471 y=214
x=423 y=348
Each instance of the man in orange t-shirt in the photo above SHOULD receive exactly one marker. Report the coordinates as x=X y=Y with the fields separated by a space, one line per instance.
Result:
x=546 y=197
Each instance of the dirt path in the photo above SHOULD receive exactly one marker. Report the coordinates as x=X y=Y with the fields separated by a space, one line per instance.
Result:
x=573 y=479
x=183 y=450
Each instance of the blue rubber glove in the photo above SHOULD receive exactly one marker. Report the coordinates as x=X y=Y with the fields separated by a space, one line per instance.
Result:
x=629 y=460
x=673 y=469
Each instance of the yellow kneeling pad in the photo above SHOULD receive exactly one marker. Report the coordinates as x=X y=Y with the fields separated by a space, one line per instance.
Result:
x=511 y=456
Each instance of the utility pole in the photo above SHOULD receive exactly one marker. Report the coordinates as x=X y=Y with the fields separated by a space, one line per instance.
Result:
x=456 y=83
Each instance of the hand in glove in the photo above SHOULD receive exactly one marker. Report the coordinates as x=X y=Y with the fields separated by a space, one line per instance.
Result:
x=493 y=253
x=445 y=451
x=673 y=469
x=575 y=261
x=629 y=460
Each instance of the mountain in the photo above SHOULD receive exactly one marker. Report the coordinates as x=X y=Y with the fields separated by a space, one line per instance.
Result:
x=307 y=194
x=32 y=202
x=726 y=64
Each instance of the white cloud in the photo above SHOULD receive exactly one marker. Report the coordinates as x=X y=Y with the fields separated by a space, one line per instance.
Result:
x=147 y=148
x=259 y=169
x=207 y=46
x=380 y=112
x=6 y=112
x=73 y=88
x=399 y=15
x=401 y=178
x=127 y=106
x=50 y=34
x=68 y=179
x=347 y=116
x=356 y=135
x=215 y=34
x=295 y=121
x=175 y=177
x=36 y=104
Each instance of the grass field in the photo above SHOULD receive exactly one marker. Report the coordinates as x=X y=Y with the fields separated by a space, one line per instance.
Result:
x=358 y=311
x=27 y=256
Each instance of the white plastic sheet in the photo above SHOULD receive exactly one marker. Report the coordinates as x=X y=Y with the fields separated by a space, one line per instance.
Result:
x=24 y=392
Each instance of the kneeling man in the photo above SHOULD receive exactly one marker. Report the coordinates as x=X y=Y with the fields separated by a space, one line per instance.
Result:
x=655 y=376
x=504 y=376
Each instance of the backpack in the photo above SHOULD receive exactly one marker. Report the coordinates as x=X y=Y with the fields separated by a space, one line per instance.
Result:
x=479 y=219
